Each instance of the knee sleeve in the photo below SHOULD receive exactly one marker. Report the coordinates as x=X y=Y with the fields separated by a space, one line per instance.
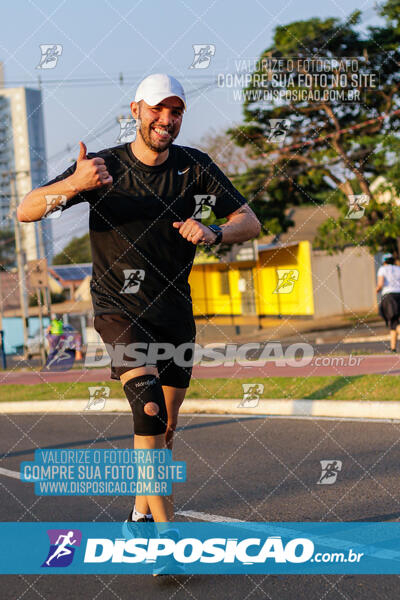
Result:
x=146 y=397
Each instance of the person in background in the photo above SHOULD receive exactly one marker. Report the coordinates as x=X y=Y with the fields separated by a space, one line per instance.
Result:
x=54 y=331
x=389 y=307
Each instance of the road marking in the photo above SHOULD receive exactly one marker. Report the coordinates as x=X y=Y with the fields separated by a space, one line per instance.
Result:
x=299 y=417
x=361 y=340
x=193 y=514
x=9 y=473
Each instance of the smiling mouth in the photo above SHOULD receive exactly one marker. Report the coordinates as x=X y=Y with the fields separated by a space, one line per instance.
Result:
x=163 y=134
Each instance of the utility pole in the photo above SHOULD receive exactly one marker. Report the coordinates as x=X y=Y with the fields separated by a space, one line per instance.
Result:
x=19 y=252
x=41 y=329
x=2 y=344
x=46 y=290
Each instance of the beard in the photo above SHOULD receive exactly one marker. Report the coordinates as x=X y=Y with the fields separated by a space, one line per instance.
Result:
x=152 y=141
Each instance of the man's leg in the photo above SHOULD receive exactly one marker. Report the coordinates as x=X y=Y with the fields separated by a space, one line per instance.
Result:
x=173 y=400
x=146 y=402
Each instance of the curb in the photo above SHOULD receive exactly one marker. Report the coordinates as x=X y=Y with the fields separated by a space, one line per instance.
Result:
x=355 y=340
x=299 y=408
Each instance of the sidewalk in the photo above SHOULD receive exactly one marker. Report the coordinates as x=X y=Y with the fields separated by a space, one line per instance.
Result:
x=343 y=409
x=329 y=329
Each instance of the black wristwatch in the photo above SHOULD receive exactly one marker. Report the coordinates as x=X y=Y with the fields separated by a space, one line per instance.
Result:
x=218 y=231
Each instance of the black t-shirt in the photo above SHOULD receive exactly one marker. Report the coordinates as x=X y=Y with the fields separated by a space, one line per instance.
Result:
x=141 y=263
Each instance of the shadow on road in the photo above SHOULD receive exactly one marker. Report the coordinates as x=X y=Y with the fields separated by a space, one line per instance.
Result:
x=378 y=518
x=113 y=438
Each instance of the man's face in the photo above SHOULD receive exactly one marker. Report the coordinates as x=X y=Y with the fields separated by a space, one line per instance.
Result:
x=160 y=124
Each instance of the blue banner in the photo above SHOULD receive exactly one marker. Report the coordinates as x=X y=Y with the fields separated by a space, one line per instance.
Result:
x=209 y=548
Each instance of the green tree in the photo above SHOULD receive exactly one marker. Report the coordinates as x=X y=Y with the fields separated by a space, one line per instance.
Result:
x=332 y=149
x=76 y=251
x=54 y=298
x=226 y=154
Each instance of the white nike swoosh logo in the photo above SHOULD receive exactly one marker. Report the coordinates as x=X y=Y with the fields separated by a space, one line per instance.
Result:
x=182 y=172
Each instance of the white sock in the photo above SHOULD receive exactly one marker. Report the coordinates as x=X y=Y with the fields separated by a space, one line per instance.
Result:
x=136 y=515
x=149 y=516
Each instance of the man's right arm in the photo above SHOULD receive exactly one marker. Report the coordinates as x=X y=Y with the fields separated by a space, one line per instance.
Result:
x=90 y=174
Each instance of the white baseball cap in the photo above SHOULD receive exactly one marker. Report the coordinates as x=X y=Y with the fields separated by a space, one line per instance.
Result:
x=155 y=88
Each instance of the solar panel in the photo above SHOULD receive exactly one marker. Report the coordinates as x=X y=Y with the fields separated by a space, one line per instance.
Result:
x=72 y=272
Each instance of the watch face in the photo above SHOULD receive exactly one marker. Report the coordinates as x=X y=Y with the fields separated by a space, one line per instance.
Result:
x=218 y=232
x=219 y=235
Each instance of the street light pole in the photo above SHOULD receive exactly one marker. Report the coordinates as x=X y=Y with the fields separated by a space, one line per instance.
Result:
x=42 y=254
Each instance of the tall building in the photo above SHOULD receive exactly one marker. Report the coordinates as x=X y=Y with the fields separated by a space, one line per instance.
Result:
x=23 y=158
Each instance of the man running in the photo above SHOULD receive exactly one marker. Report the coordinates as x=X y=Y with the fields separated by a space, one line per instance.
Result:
x=142 y=197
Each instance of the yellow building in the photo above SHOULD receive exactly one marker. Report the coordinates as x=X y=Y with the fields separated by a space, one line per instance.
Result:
x=256 y=280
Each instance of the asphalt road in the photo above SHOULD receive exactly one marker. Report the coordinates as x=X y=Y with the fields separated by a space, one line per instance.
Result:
x=260 y=469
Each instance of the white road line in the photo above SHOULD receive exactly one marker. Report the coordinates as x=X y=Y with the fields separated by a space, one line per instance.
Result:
x=276 y=529
x=9 y=473
x=193 y=514
x=298 y=417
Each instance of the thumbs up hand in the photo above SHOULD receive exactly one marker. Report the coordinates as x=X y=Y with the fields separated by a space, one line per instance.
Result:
x=90 y=173
x=82 y=151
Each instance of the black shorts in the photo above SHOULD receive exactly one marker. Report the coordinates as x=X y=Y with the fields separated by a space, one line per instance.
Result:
x=389 y=309
x=117 y=329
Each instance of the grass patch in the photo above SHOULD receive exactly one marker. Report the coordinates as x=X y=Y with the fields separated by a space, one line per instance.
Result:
x=367 y=318
x=359 y=387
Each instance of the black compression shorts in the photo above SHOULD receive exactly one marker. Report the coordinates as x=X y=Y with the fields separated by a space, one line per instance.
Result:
x=115 y=329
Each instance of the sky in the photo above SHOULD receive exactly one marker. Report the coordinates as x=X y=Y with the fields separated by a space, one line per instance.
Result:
x=101 y=39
